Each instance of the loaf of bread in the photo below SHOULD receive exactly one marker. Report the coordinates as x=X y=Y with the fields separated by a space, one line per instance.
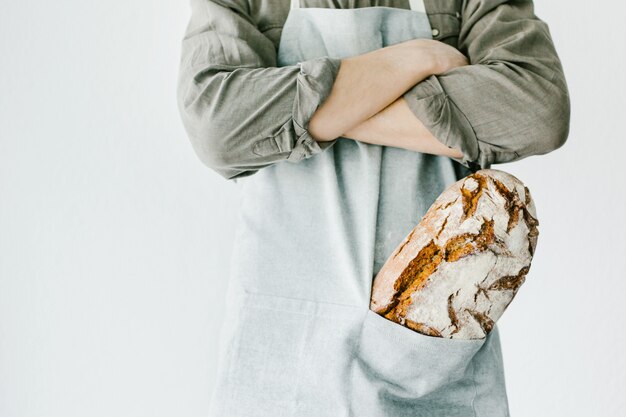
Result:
x=456 y=272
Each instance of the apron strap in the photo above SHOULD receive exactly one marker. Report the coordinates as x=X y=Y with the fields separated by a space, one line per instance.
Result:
x=416 y=5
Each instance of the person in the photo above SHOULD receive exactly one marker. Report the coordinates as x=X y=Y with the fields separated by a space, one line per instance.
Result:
x=342 y=123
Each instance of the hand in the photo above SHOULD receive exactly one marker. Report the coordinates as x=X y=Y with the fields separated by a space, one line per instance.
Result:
x=367 y=83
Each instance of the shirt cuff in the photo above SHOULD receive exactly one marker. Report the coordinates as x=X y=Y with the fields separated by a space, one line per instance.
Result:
x=435 y=109
x=314 y=83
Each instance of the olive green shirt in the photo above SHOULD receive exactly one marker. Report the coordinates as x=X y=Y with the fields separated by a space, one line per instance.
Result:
x=242 y=113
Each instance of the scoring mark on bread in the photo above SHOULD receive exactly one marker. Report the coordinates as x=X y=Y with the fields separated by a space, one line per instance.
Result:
x=407 y=240
x=412 y=278
x=512 y=203
x=471 y=196
x=422 y=328
x=470 y=243
x=452 y=314
x=480 y=290
x=445 y=221
x=533 y=232
x=510 y=282
x=485 y=322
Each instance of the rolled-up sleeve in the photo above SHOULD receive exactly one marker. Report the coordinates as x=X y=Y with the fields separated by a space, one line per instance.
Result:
x=240 y=111
x=511 y=102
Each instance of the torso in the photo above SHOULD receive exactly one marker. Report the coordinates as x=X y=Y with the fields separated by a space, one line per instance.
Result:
x=269 y=16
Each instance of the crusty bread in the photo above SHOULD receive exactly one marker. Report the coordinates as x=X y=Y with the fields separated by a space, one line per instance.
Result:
x=456 y=272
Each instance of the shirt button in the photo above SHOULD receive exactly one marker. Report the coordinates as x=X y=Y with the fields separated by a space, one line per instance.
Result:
x=435 y=32
x=458 y=15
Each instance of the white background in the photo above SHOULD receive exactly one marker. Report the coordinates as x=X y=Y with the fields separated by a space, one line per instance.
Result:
x=115 y=239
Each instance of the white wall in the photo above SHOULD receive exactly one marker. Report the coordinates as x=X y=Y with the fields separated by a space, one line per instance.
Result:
x=115 y=239
x=563 y=337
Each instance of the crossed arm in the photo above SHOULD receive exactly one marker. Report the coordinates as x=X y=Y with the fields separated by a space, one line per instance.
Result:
x=397 y=126
x=366 y=102
x=243 y=113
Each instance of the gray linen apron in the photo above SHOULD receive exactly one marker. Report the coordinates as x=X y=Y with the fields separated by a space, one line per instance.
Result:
x=299 y=338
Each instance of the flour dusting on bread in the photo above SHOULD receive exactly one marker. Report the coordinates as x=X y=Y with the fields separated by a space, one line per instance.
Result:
x=456 y=272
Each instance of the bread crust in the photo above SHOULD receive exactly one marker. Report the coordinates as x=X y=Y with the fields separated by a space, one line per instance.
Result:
x=455 y=273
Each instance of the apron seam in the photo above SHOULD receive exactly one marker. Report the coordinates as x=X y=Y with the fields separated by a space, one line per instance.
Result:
x=353 y=361
x=475 y=387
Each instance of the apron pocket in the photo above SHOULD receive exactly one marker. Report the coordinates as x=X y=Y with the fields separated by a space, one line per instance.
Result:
x=396 y=367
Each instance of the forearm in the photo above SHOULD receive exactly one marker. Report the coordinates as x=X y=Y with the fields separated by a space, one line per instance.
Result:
x=366 y=84
x=397 y=126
